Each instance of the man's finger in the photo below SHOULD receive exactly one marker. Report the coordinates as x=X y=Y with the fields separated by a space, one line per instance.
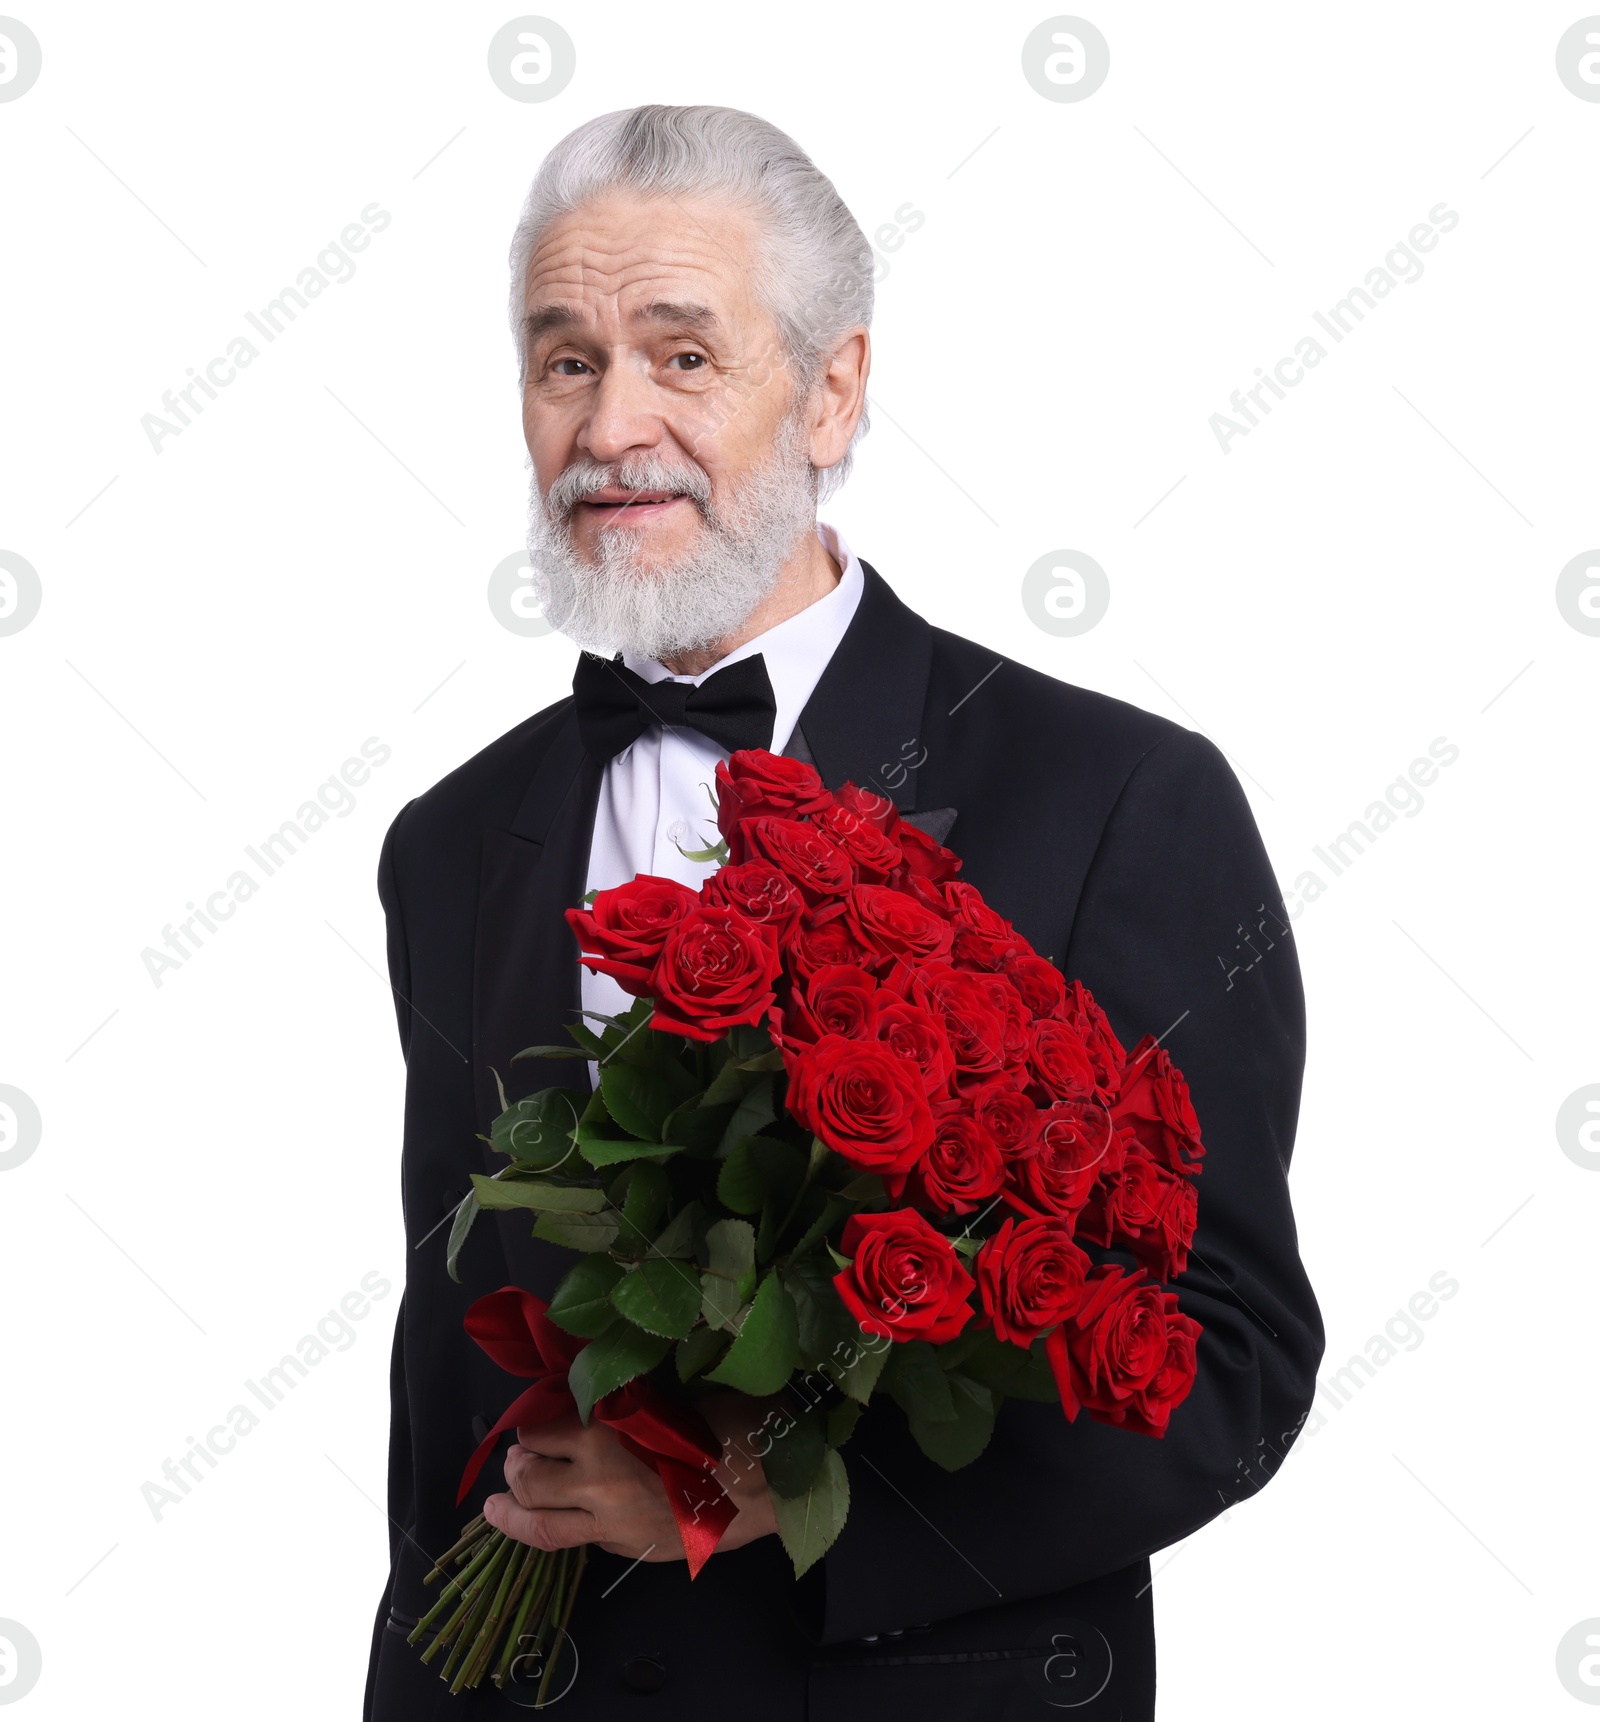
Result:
x=562 y=1440
x=542 y=1527
x=540 y=1482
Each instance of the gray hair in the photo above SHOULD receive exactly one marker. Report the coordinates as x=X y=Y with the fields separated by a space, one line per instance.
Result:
x=815 y=269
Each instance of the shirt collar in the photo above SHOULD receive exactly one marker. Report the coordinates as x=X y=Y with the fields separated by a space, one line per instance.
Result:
x=797 y=650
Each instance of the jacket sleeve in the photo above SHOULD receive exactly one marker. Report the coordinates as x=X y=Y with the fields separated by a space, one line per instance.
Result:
x=1178 y=897
x=401 y=1492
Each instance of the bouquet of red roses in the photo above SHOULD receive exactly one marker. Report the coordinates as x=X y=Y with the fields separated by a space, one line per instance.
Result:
x=852 y=1139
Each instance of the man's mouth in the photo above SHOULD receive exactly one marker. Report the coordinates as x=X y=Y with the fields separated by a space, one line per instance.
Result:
x=614 y=500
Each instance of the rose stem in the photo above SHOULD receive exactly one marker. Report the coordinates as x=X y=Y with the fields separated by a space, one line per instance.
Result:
x=576 y=1573
x=469 y=1600
x=469 y=1536
x=533 y=1601
x=521 y=1590
x=511 y=1577
x=454 y=1590
x=464 y=1639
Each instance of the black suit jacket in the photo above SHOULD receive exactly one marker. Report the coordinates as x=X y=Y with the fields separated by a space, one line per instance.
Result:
x=1120 y=845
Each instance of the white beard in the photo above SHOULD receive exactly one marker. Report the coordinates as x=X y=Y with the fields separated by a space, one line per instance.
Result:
x=619 y=603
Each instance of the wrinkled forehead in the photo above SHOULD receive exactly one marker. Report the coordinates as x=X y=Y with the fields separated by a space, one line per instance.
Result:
x=624 y=263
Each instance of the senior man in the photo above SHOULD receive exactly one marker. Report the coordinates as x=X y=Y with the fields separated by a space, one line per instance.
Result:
x=691 y=303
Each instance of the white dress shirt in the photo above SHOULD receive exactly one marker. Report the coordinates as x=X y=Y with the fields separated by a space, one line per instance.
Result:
x=658 y=794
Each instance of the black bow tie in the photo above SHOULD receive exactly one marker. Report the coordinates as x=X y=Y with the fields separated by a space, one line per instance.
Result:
x=734 y=707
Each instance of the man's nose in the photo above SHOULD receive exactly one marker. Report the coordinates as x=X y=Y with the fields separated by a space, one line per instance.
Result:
x=624 y=416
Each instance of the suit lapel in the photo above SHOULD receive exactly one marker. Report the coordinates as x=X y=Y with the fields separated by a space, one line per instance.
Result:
x=863 y=723
x=525 y=966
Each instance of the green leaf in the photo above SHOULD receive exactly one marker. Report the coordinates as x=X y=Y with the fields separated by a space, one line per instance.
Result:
x=772 y=1060
x=549 y=1052
x=697 y=1128
x=842 y=1421
x=833 y=1211
x=700 y=1350
x=762 y=1357
x=585 y=1036
x=587 y=1232
x=466 y=1212
x=1035 y=1381
x=613 y=1360
x=730 y=1270
x=867 y=1188
x=824 y=1321
x=957 y=1440
x=638 y=1098
x=753 y=1111
x=799 y=1444
x=582 y=1302
x=992 y=1361
x=917 y=1384
x=717 y=852
x=616 y=1150
x=728 y=1084
x=596 y=1125
x=809 y=1524
x=642 y=1193
x=662 y=1297
x=759 y=1169
x=858 y=1364
x=537 y=1130
x=747 y=1040
x=677 y=1238
x=536 y=1193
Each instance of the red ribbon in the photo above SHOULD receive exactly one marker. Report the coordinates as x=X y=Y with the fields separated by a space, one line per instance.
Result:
x=512 y=1327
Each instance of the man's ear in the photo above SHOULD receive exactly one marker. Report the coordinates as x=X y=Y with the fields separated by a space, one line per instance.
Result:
x=840 y=396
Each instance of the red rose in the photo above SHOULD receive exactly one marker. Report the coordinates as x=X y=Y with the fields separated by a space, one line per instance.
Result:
x=984 y=939
x=1148 y=1209
x=1016 y=1026
x=1154 y=1103
x=863 y=1102
x=867 y=804
x=1042 y=986
x=1009 y=1116
x=963 y=1168
x=823 y=938
x=622 y=934
x=904 y=1280
x=715 y=970
x=1075 y=1145
x=976 y=1029
x=915 y=1034
x=818 y=867
x=1128 y=1356
x=896 y=926
x=1105 y=1050
x=1030 y=1278
x=924 y=858
x=753 y=783
x=759 y=892
x=1150 y=1409
x=837 y=999
x=874 y=852
x=1060 y=1061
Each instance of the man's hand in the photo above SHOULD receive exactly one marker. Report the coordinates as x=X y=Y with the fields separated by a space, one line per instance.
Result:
x=570 y=1484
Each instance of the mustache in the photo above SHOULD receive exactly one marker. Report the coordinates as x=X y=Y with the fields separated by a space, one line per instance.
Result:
x=637 y=472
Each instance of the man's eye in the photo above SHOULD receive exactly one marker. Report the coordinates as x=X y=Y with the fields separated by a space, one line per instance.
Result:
x=691 y=361
x=557 y=367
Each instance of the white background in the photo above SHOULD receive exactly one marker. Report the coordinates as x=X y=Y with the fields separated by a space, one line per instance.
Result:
x=306 y=567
